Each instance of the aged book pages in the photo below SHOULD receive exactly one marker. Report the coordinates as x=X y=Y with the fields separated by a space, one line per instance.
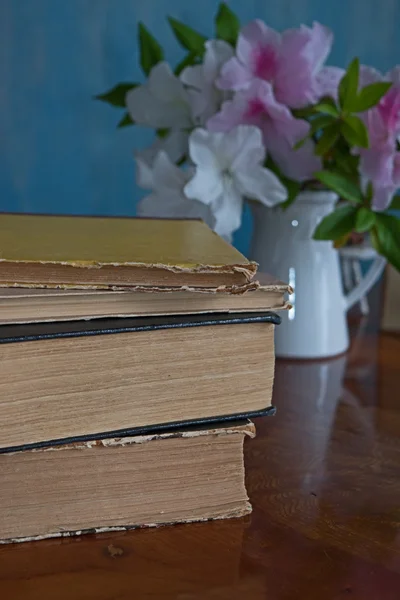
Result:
x=160 y=373
x=40 y=250
x=189 y=475
x=25 y=305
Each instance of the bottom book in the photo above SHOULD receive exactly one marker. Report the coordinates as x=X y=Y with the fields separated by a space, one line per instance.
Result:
x=191 y=474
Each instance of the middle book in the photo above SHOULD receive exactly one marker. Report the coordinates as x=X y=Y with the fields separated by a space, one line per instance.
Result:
x=70 y=380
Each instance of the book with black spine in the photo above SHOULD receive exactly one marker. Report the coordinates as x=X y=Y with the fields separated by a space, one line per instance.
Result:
x=72 y=381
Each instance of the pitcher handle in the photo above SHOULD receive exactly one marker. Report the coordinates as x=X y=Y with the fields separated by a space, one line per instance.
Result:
x=366 y=283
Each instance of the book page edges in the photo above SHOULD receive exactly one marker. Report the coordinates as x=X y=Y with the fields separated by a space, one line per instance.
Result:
x=251 y=286
x=248 y=269
x=237 y=513
x=245 y=428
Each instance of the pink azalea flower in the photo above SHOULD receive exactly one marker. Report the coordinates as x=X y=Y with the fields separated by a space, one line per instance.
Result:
x=257 y=105
x=380 y=163
x=381 y=166
x=383 y=169
x=328 y=80
x=383 y=120
x=290 y=62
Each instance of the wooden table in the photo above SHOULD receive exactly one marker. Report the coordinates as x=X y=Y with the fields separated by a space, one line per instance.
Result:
x=324 y=480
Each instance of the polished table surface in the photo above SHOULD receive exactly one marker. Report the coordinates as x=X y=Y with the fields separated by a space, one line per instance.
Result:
x=323 y=476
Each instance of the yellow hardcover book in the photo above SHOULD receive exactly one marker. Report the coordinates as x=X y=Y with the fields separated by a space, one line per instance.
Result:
x=121 y=253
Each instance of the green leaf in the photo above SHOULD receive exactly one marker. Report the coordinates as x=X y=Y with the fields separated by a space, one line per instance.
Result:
x=346 y=163
x=125 y=121
x=116 y=96
x=343 y=186
x=301 y=142
x=328 y=108
x=348 y=86
x=188 y=37
x=369 y=194
x=319 y=122
x=337 y=224
x=328 y=100
x=370 y=95
x=328 y=138
x=395 y=204
x=227 y=24
x=365 y=219
x=188 y=61
x=162 y=133
x=151 y=52
x=303 y=113
x=354 y=131
x=388 y=238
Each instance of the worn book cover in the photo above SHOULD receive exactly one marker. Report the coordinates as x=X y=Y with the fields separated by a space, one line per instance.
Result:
x=30 y=305
x=100 y=252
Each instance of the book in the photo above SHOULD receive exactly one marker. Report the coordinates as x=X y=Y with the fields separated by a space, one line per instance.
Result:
x=78 y=379
x=122 y=483
x=98 y=252
x=26 y=305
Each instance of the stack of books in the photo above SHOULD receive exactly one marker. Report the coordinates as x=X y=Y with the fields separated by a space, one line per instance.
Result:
x=133 y=353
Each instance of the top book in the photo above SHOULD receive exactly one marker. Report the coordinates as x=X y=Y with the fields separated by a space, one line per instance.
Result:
x=117 y=253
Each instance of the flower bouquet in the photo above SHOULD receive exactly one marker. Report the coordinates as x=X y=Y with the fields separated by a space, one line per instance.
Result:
x=254 y=114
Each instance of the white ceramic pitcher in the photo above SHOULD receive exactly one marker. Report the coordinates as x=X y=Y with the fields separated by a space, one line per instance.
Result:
x=282 y=244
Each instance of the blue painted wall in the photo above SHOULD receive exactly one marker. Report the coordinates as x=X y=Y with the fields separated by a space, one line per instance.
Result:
x=59 y=149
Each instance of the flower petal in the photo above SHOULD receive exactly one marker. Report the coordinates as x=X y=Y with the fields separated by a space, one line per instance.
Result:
x=303 y=52
x=396 y=170
x=144 y=172
x=253 y=36
x=328 y=80
x=167 y=176
x=234 y=76
x=227 y=211
x=382 y=197
x=319 y=46
x=217 y=54
x=205 y=97
x=141 y=105
x=205 y=186
x=244 y=147
x=161 y=205
x=258 y=106
x=203 y=147
x=162 y=102
x=175 y=144
x=230 y=115
x=164 y=84
x=261 y=184
x=193 y=77
x=394 y=75
x=376 y=165
x=299 y=164
x=368 y=75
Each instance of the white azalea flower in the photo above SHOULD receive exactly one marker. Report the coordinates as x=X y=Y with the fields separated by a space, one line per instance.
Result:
x=162 y=102
x=168 y=198
x=175 y=144
x=229 y=168
x=206 y=98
